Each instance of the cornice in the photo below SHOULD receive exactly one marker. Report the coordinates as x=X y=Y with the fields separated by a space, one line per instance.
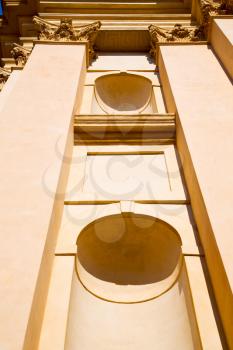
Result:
x=104 y=129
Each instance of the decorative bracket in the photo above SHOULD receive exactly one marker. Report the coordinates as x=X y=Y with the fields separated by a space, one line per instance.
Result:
x=214 y=8
x=20 y=54
x=4 y=75
x=66 y=31
x=178 y=33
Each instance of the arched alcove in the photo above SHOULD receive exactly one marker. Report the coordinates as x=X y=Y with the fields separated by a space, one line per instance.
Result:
x=124 y=93
x=128 y=258
x=130 y=288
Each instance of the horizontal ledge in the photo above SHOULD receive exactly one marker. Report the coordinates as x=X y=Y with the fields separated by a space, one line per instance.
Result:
x=194 y=255
x=221 y=17
x=53 y=42
x=117 y=4
x=121 y=141
x=112 y=129
x=65 y=254
x=118 y=126
x=117 y=70
x=128 y=115
x=177 y=43
x=123 y=124
x=143 y=201
x=197 y=255
x=98 y=16
x=105 y=117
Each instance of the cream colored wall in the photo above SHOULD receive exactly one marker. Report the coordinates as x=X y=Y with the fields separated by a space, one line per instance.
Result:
x=36 y=144
x=139 y=68
x=8 y=87
x=74 y=220
x=123 y=61
x=196 y=86
x=108 y=173
x=96 y=324
x=41 y=105
x=81 y=211
x=221 y=38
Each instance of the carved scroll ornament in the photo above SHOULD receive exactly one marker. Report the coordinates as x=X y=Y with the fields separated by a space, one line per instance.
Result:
x=4 y=75
x=177 y=34
x=20 y=54
x=212 y=8
x=66 y=31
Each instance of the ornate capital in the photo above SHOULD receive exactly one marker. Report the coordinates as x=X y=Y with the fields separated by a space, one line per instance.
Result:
x=177 y=34
x=20 y=54
x=212 y=8
x=66 y=31
x=4 y=75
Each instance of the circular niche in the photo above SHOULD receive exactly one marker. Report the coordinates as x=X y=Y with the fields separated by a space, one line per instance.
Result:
x=128 y=258
x=123 y=93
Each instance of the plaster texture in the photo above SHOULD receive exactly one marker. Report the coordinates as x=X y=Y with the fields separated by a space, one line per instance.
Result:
x=95 y=323
x=221 y=38
x=36 y=144
x=8 y=87
x=199 y=90
x=122 y=61
x=124 y=172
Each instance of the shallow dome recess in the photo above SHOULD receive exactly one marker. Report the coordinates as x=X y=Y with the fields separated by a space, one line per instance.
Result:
x=128 y=258
x=123 y=93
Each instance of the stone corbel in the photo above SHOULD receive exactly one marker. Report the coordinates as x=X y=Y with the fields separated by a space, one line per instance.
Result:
x=214 y=8
x=178 y=33
x=67 y=31
x=4 y=75
x=20 y=54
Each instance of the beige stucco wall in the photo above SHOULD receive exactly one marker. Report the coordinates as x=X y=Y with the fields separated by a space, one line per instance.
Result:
x=36 y=135
x=221 y=38
x=8 y=87
x=197 y=87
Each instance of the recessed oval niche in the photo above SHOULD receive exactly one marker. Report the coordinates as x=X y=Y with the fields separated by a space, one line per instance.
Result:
x=123 y=93
x=128 y=258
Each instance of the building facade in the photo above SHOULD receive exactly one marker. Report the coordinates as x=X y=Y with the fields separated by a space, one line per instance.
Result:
x=116 y=177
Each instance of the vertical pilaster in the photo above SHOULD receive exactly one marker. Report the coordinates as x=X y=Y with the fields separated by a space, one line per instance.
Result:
x=36 y=143
x=221 y=38
x=198 y=89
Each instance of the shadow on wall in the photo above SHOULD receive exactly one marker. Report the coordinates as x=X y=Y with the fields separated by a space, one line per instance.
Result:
x=129 y=250
x=128 y=258
x=123 y=93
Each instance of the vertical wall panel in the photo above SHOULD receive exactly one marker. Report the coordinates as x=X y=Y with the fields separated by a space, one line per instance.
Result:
x=197 y=87
x=36 y=140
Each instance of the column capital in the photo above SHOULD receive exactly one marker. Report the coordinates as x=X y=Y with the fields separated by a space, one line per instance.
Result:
x=211 y=8
x=66 y=31
x=178 y=34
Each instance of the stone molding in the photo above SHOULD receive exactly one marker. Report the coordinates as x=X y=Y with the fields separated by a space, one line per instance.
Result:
x=20 y=54
x=178 y=33
x=4 y=75
x=66 y=31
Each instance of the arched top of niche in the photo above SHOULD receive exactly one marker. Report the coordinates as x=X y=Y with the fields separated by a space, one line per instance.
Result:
x=123 y=93
x=128 y=258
